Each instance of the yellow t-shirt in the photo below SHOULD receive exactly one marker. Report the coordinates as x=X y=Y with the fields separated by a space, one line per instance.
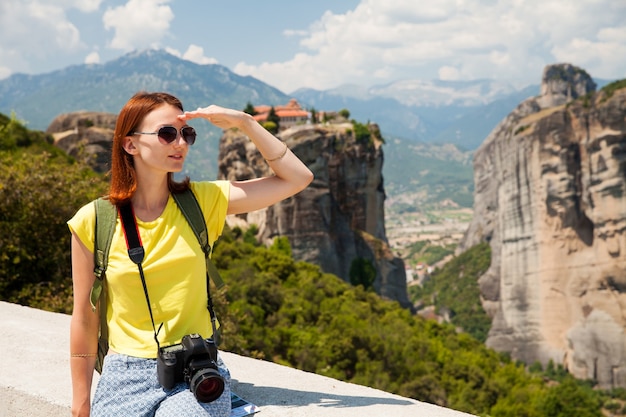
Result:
x=174 y=268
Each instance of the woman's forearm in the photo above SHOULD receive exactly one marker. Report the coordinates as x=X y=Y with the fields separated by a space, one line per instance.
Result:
x=283 y=162
x=83 y=351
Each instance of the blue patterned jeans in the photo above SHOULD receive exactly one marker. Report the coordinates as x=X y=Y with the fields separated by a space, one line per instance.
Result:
x=129 y=387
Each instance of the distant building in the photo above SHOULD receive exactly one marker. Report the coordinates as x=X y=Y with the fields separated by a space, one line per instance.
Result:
x=410 y=275
x=290 y=114
x=420 y=274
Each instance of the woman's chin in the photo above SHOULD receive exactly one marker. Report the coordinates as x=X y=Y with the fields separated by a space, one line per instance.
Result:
x=177 y=167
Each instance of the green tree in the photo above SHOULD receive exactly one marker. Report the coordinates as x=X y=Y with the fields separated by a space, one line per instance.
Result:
x=281 y=244
x=249 y=109
x=455 y=289
x=13 y=134
x=361 y=133
x=273 y=117
x=270 y=127
x=362 y=272
x=40 y=189
x=571 y=399
x=38 y=194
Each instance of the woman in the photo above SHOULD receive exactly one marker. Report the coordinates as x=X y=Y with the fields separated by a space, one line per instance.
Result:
x=150 y=143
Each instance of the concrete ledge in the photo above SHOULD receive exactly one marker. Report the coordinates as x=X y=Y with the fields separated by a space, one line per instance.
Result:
x=35 y=378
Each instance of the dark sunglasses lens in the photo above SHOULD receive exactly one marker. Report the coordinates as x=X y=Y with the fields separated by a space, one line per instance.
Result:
x=189 y=134
x=168 y=133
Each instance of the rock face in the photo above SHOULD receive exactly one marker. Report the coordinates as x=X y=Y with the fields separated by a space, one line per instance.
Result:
x=86 y=136
x=550 y=197
x=339 y=219
x=563 y=83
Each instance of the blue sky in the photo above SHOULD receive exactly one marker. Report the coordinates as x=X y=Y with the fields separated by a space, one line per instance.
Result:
x=324 y=44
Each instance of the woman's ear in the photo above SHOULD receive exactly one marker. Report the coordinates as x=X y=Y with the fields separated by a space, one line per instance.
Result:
x=129 y=145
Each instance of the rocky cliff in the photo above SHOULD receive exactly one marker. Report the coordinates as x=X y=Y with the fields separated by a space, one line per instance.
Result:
x=86 y=136
x=550 y=197
x=338 y=221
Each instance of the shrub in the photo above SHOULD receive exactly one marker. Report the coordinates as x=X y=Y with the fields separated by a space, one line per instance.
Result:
x=40 y=189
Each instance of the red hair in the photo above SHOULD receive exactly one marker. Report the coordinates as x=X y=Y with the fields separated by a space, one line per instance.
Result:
x=123 y=175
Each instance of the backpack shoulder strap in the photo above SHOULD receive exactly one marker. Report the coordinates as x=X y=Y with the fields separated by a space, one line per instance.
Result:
x=106 y=216
x=190 y=208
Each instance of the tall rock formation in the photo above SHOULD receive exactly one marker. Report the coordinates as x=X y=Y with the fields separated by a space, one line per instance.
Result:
x=86 y=136
x=550 y=197
x=338 y=221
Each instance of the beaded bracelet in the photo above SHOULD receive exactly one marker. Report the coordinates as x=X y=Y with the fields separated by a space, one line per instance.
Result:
x=280 y=156
x=84 y=355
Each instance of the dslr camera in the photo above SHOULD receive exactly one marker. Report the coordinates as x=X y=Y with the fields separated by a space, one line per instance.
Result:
x=194 y=361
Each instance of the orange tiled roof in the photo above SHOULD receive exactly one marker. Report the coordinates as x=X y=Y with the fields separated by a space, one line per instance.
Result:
x=292 y=113
x=291 y=109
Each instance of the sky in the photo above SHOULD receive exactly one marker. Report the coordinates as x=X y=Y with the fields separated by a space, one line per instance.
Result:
x=324 y=44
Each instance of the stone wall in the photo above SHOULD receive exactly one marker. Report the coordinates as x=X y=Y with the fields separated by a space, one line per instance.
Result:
x=35 y=378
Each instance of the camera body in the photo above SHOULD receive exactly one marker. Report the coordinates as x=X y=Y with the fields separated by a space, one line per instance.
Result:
x=194 y=361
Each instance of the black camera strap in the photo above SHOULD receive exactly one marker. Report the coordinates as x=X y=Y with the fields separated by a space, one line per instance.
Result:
x=136 y=254
x=191 y=210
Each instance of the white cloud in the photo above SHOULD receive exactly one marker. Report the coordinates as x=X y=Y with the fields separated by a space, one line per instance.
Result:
x=53 y=29
x=4 y=72
x=92 y=58
x=375 y=43
x=138 y=24
x=294 y=33
x=85 y=6
x=378 y=42
x=448 y=73
x=195 y=54
x=599 y=59
x=173 y=51
x=35 y=32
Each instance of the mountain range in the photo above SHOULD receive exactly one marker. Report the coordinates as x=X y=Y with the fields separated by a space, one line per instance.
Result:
x=38 y=99
x=461 y=113
x=458 y=112
x=409 y=112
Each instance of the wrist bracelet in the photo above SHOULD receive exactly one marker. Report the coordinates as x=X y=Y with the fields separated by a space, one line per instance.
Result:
x=84 y=355
x=280 y=156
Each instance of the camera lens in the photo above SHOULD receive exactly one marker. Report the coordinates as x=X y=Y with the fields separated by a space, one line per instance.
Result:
x=207 y=385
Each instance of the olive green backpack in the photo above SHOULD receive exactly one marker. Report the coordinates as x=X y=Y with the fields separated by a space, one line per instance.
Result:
x=106 y=218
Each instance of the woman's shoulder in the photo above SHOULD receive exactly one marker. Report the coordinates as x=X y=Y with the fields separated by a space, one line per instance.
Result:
x=203 y=189
x=85 y=213
x=213 y=199
x=83 y=224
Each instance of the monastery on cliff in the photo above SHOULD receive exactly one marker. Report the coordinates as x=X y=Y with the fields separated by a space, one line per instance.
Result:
x=290 y=114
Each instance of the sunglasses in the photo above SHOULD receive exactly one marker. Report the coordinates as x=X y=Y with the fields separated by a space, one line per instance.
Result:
x=169 y=134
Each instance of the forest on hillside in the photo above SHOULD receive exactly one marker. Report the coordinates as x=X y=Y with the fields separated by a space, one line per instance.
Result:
x=279 y=309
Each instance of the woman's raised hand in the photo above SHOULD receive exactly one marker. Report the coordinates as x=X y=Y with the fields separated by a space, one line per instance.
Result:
x=221 y=117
